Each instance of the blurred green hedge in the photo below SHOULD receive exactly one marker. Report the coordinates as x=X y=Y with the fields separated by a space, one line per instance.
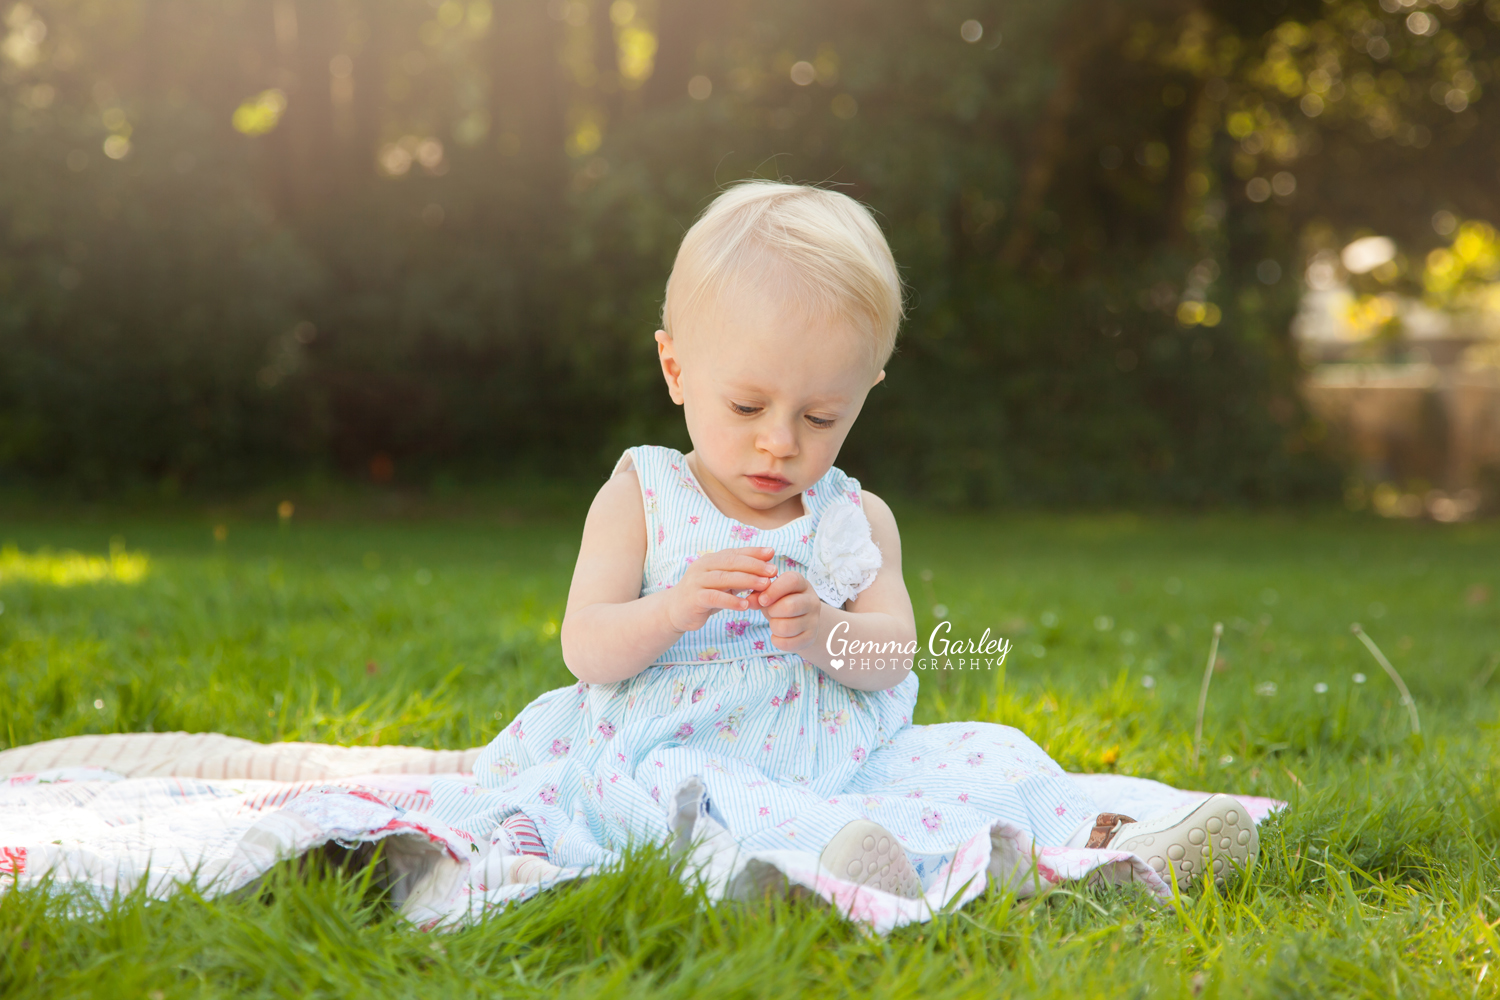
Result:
x=251 y=238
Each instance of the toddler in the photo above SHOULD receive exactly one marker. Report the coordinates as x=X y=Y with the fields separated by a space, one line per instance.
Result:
x=709 y=583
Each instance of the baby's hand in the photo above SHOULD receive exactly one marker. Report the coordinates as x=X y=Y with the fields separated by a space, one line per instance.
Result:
x=793 y=608
x=712 y=581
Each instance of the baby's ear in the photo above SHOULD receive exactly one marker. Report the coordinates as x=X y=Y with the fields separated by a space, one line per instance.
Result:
x=878 y=379
x=671 y=368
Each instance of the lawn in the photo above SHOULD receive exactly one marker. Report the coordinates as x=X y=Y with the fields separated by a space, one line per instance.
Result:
x=1381 y=879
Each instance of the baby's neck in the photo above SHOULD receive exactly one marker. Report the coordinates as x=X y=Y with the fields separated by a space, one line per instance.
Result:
x=732 y=507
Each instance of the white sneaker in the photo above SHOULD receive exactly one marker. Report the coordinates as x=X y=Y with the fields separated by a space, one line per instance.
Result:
x=866 y=853
x=1216 y=834
x=528 y=869
x=497 y=869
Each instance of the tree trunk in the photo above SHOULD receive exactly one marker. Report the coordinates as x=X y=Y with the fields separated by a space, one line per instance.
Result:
x=1085 y=34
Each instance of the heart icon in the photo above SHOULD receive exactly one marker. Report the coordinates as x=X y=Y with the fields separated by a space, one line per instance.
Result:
x=836 y=664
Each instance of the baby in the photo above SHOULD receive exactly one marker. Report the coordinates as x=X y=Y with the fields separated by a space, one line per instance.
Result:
x=709 y=584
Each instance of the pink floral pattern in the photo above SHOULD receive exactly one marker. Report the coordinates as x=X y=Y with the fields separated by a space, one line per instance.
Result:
x=817 y=751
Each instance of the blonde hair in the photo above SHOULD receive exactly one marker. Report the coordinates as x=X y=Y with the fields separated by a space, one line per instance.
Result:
x=822 y=246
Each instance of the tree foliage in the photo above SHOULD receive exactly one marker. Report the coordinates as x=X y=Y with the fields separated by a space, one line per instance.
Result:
x=249 y=236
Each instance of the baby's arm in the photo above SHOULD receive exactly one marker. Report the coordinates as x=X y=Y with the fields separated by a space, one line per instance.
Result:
x=609 y=631
x=801 y=623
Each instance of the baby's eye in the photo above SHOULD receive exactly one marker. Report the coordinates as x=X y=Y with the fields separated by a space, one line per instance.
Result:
x=820 y=421
x=744 y=410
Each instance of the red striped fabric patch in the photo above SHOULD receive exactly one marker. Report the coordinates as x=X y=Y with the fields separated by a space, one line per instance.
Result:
x=523 y=835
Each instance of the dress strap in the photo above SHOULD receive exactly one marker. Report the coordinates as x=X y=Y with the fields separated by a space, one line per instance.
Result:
x=833 y=489
x=653 y=467
x=842 y=559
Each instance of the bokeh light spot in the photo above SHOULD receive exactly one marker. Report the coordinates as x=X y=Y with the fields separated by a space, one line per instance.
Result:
x=394 y=160
x=261 y=113
x=1365 y=255
x=1421 y=23
x=72 y=569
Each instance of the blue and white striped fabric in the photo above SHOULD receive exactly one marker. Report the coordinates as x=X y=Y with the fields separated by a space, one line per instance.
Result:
x=682 y=525
x=788 y=755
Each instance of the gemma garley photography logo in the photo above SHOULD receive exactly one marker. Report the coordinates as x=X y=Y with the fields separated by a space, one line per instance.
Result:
x=943 y=653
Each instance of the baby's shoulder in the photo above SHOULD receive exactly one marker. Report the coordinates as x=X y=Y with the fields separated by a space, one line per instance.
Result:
x=882 y=522
x=618 y=501
x=638 y=480
x=654 y=466
x=876 y=508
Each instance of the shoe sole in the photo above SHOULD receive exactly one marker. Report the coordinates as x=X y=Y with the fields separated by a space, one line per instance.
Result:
x=527 y=869
x=1218 y=834
x=866 y=853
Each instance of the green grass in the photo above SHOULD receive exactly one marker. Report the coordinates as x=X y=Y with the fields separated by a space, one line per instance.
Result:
x=1382 y=879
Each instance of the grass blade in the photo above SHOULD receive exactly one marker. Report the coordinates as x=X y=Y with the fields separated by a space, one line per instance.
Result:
x=1406 y=698
x=1208 y=675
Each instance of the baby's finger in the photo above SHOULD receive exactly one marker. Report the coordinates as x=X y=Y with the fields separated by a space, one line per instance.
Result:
x=760 y=555
x=739 y=562
x=748 y=564
x=723 y=600
x=718 y=579
x=791 y=606
x=786 y=583
x=789 y=628
x=753 y=551
x=791 y=642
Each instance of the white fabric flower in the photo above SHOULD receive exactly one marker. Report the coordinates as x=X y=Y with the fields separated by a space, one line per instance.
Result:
x=845 y=560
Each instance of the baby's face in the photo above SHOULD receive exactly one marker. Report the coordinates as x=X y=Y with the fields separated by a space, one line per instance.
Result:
x=769 y=396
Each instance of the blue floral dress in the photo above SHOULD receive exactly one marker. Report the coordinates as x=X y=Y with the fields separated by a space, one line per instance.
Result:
x=788 y=755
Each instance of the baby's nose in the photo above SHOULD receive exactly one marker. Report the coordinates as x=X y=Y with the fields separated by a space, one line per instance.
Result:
x=779 y=441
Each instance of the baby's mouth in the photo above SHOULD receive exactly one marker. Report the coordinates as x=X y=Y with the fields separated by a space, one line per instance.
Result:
x=769 y=483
